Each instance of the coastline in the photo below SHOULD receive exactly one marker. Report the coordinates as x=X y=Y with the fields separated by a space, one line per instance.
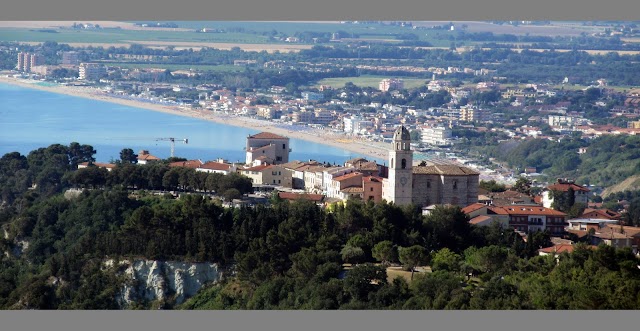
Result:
x=324 y=137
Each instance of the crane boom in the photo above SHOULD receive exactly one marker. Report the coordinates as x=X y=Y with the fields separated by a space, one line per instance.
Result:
x=173 y=143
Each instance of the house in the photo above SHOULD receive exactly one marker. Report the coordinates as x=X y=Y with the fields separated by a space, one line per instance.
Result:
x=535 y=218
x=558 y=249
x=605 y=214
x=108 y=166
x=295 y=170
x=481 y=214
x=618 y=236
x=193 y=164
x=580 y=193
x=372 y=188
x=274 y=175
x=217 y=167
x=524 y=218
x=144 y=157
x=346 y=186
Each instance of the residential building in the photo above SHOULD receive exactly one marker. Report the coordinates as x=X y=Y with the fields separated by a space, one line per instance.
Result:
x=296 y=170
x=273 y=147
x=28 y=60
x=345 y=186
x=193 y=164
x=70 y=58
x=535 y=218
x=329 y=174
x=266 y=175
x=92 y=71
x=217 y=167
x=388 y=84
x=372 y=188
x=438 y=136
x=581 y=193
x=605 y=214
x=144 y=157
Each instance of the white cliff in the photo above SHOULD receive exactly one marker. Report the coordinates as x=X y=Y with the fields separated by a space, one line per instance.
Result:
x=150 y=280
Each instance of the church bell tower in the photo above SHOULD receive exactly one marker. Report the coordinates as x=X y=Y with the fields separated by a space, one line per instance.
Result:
x=399 y=188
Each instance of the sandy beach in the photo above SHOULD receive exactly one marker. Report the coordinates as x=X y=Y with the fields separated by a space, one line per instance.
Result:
x=325 y=137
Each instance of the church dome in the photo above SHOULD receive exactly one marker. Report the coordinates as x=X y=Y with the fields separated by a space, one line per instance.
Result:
x=401 y=134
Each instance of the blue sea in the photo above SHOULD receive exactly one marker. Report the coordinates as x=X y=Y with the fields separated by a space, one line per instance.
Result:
x=30 y=119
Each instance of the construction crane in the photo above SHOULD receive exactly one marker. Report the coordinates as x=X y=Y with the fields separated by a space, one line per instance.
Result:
x=173 y=143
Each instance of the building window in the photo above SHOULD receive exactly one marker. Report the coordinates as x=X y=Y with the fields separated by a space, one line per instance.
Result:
x=404 y=163
x=278 y=158
x=284 y=146
x=455 y=184
x=371 y=197
x=428 y=184
x=371 y=189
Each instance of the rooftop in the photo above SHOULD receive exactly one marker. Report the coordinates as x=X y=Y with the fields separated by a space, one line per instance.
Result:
x=215 y=166
x=267 y=135
x=446 y=170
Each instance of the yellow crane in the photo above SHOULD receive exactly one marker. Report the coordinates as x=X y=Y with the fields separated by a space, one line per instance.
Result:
x=173 y=143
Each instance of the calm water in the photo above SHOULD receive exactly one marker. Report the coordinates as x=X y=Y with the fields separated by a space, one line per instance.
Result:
x=30 y=119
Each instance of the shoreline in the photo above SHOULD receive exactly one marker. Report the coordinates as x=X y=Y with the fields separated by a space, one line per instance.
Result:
x=324 y=137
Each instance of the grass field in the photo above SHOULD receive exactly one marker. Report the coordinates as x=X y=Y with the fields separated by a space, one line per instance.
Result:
x=370 y=81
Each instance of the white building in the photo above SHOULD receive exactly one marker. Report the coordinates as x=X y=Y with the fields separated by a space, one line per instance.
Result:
x=437 y=136
x=92 y=71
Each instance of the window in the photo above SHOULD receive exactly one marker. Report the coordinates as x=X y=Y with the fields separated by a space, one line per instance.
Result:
x=278 y=181
x=278 y=158
x=284 y=146
x=428 y=184
x=371 y=189
x=371 y=197
x=455 y=184
x=404 y=164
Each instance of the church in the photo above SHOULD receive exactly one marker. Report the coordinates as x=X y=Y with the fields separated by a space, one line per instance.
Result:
x=432 y=184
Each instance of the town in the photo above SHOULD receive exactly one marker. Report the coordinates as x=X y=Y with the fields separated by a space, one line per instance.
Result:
x=494 y=170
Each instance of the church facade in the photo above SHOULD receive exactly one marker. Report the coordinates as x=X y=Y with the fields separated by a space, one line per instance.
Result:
x=433 y=184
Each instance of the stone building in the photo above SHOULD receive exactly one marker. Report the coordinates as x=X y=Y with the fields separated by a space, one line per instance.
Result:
x=272 y=147
x=433 y=184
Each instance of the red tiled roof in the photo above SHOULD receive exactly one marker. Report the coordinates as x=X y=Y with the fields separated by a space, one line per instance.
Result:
x=565 y=187
x=557 y=249
x=187 y=164
x=305 y=196
x=473 y=207
x=147 y=157
x=267 y=135
x=372 y=179
x=347 y=176
x=352 y=189
x=479 y=219
x=604 y=213
x=216 y=166
x=531 y=210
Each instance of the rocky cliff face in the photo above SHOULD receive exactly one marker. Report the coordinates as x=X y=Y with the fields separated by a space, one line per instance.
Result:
x=150 y=280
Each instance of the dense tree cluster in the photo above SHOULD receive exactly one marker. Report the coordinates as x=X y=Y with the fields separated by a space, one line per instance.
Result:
x=289 y=255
